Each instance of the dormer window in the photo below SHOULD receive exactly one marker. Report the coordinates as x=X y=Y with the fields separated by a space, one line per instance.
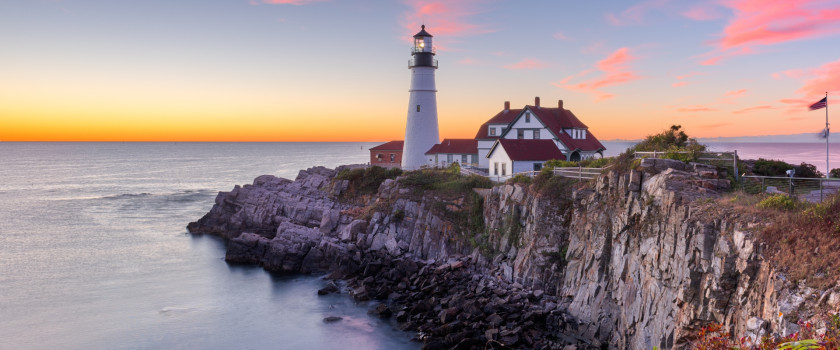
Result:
x=492 y=131
x=528 y=117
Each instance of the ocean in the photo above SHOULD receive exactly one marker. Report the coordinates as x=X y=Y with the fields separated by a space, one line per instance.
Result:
x=94 y=252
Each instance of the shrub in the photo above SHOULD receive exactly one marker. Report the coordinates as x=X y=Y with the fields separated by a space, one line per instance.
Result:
x=520 y=179
x=835 y=173
x=681 y=156
x=597 y=162
x=807 y=170
x=669 y=139
x=556 y=163
x=767 y=167
x=778 y=202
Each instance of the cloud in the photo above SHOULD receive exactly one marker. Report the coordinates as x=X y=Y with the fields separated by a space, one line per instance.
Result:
x=445 y=18
x=681 y=78
x=467 y=60
x=696 y=109
x=714 y=126
x=750 y=109
x=735 y=92
x=614 y=71
x=288 y=2
x=824 y=79
x=635 y=14
x=702 y=12
x=526 y=63
x=559 y=36
x=767 y=22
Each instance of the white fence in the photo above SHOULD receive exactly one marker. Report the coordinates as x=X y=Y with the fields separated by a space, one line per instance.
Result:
x=579 y=173
x=724 y=159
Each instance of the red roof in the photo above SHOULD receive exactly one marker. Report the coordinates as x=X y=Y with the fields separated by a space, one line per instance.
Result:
x=456 y=146
x=557 y=119
x=503 y=117
x=527 y=149
x=389 y=146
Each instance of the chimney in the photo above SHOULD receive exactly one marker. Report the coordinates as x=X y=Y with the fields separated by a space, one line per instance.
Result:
x=537 y=101
x=507 y=106
x=560 y=104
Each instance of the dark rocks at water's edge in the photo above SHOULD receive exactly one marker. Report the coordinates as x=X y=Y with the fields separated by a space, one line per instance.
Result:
x=634 y=260
x=454 y=304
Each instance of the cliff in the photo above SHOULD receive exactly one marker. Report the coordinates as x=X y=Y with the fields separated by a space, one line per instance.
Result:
x=632 y=260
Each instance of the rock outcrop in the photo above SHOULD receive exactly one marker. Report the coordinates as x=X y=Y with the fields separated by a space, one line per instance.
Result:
x=634 y=260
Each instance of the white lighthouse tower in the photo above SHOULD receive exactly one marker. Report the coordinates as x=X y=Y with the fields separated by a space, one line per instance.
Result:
x=421 y=127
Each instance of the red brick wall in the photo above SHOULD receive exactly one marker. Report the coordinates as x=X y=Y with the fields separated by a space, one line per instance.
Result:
x=385 y=161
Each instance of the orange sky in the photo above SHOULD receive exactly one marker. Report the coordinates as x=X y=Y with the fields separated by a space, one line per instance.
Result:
x=326 y=70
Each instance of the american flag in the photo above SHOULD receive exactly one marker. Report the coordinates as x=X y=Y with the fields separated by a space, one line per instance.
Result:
x=820 y=104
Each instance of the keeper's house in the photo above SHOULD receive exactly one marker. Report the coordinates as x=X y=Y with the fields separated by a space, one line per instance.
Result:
x=567 y=133
x=461 y=151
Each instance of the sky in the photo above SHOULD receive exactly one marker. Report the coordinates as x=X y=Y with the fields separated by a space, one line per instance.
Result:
x=336 y=70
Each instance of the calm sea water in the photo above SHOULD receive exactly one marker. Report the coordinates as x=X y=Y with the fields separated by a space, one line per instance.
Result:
x=94 y=253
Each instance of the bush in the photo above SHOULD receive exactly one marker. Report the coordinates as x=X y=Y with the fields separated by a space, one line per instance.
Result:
x=778 y=202
x=596 y=162
x=672 y=139
x=520 y=179
x=767 y=167
x=556 y=163
x=807 y=170
x=835 y=173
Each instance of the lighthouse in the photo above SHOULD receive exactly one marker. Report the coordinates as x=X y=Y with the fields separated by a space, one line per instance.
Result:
x=421 y=126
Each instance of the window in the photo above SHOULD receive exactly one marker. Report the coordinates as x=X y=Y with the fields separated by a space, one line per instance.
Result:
x=463 y=159
x=528 y=117
x=496 y=168
x=520 y=134
x=492 y=131
x=474 y=160
x=449 y=158
x=379 y=156
x=504 y=172
x=536 y=134
x=418 y=108
x=537 y=166
x=393 y=156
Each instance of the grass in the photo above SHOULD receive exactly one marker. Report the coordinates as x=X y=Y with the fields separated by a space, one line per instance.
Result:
x=365 y=181
x=445 y=183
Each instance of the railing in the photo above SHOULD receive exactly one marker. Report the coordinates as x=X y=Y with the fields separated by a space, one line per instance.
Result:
x=471 y=169
x=579 y=173
x=809 y=189
x=412 y=61
x=724 y=159
x=414 y=49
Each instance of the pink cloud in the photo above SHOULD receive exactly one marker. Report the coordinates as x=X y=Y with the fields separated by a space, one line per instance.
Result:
x=736 y=92
x=681 y=78
x=444 y=18
x=703 y=12
x=824 y=79
x=614 y=71
x=635 y=14
x=696 y=109
x=767 y=22
x=527 y=63
x=560 y=36
x=467 y=60
x=288 y=2
x=750 y=109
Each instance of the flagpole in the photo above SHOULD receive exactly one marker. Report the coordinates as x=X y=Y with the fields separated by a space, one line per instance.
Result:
x=827 y=168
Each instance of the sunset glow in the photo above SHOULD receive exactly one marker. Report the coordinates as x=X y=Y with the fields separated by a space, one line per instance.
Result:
x=328 y=70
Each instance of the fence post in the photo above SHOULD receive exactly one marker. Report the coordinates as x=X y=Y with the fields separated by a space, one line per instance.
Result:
x=654 y=154
x=762 y=185
x=580 y=173
x=821 y=190
x=735 y=164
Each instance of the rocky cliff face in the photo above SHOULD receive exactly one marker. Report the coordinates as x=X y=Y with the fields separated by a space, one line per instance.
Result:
x=633 y=261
